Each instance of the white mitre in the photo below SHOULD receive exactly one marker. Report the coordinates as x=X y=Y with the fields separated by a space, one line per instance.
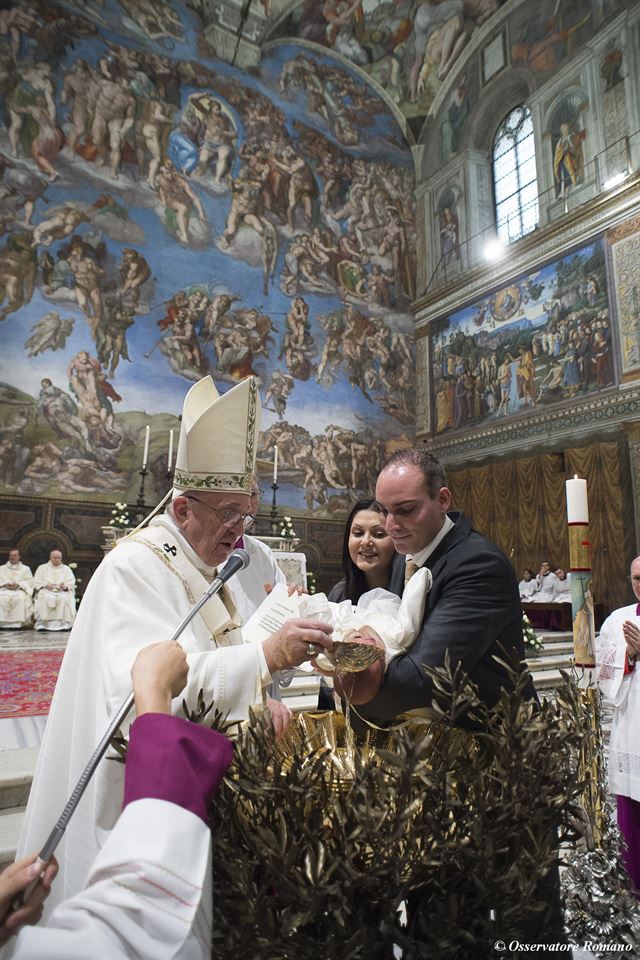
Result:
x=218 y=437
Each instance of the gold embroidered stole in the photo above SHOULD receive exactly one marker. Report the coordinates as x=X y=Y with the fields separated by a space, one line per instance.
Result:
x=219 y=612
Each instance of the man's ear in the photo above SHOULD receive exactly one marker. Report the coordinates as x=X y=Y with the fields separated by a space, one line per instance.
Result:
x=444 y=498
x=180 y=509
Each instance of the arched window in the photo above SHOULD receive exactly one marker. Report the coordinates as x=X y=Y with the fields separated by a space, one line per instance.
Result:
x=514 y=175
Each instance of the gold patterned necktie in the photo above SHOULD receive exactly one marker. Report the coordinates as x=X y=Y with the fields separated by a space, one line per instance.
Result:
x=410 y=568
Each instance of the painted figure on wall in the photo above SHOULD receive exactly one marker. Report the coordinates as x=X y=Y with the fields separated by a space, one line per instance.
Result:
x=568 y=162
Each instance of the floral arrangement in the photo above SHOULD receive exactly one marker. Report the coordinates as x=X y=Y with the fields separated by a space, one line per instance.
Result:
x=286 y=529
x=531 y=638
x=311 y=582
x=120 y=516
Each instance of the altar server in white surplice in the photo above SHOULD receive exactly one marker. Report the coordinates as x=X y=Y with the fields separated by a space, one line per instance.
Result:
x=16 y=592
x=55 y=583
x=142 y=590
x=149 y=890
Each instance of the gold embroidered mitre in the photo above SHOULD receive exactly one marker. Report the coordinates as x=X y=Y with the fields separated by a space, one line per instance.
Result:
x=218 y=437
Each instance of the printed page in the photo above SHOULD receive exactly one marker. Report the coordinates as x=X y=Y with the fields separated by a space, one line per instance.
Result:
x=274 y=610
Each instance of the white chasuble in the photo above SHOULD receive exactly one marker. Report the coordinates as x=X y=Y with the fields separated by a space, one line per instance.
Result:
x=16 y=605
x=141 y=591
x=55 y=606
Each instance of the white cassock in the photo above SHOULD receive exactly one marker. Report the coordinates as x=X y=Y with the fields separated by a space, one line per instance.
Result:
x=55 y=606
x=139 y=594
x=247 y=587
x=148 y=894
x=527 y=588
x=561 y=590
x=624 y=693
x=545 y=588
x=16 y=606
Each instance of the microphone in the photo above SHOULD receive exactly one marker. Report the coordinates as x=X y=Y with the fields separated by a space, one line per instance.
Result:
x=238 y=560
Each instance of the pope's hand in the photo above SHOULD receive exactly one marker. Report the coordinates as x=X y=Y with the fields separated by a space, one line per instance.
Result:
x=291 y=644
x=159 y=674
x=280 y=716
x=13 y=881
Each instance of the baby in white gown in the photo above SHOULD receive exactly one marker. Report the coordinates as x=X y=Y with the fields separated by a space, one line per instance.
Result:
x=396 y=620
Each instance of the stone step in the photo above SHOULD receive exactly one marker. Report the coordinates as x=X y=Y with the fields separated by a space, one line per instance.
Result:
x=16 y=774
x=543 y=664
x=10 y=827
x=552 y=650
x=546 y=679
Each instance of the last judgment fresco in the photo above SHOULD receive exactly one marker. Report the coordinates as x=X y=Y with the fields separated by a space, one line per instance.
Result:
x=163 y=216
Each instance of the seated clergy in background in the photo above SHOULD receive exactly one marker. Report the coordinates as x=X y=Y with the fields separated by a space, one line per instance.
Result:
x=141 y=591
x=148 y=893
x=545 y=581
x=55 y=606
x=561 y=587
x=528 y=585
x=16 y=592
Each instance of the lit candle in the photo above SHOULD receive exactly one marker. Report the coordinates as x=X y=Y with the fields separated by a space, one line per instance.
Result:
x=145 y=455
x=577 y=503
x=275 y=463
x=170 y=449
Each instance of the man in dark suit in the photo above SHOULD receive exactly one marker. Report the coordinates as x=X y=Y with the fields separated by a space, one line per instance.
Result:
x=473 y=608
x=472 y=611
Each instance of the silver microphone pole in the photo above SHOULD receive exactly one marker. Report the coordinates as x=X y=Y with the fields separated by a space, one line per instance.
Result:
x=238 y=560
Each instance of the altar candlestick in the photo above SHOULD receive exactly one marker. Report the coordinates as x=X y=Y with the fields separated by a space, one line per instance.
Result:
x=170 y=450
x=275 y=463
x=145 y=455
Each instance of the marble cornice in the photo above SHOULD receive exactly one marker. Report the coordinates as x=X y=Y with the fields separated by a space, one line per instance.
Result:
x=572 y=230
x=576 y=422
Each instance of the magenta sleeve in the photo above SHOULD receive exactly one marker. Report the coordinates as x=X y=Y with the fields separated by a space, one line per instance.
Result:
x=173 y=759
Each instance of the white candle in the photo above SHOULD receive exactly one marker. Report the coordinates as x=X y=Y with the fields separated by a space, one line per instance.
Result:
x=170 y=449
x=577 y=503
x=275 y=463
x=145 y=455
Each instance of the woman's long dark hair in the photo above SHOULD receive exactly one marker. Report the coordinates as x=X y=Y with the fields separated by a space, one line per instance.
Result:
x=355 y=581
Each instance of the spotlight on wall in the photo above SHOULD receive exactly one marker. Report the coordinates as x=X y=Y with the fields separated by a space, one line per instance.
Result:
x=615 y=180
x=493 y=250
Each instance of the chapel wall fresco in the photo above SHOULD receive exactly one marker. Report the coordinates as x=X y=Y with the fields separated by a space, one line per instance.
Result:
x=165 y=215
x=544 y=338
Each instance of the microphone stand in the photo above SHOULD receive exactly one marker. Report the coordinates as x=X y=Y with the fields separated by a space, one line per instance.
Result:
x=57 y=833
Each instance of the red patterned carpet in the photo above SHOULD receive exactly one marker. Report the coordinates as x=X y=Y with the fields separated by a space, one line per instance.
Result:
x=27 y=681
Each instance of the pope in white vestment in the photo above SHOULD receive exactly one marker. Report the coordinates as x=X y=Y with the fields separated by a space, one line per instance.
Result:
x=16 y=592
x=55 y=583
x=140 y=593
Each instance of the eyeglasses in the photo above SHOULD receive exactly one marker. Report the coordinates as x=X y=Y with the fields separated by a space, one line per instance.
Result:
x=228 y=518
